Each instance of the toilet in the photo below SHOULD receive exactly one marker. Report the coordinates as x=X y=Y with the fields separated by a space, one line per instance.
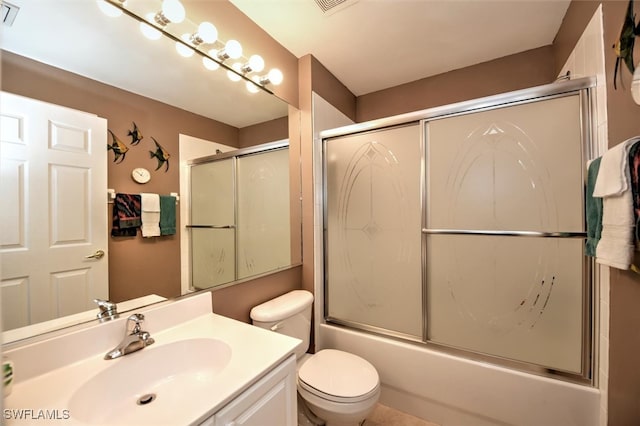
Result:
x=339 y=388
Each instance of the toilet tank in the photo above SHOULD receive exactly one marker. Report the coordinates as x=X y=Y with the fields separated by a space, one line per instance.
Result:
x=288 y=314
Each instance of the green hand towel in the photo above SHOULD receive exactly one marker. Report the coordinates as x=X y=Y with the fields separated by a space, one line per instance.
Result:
x=593 y=206
x=167 y=215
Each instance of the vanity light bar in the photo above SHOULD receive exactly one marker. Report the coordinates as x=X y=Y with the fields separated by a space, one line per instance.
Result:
x=212 y=59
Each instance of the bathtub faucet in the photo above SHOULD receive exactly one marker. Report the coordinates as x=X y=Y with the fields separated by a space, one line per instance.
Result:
x=134 y=339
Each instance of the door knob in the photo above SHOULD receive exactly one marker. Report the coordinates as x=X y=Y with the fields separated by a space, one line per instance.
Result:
x=99 y=254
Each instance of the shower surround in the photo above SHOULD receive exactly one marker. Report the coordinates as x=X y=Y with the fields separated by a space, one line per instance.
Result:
x=497 y=274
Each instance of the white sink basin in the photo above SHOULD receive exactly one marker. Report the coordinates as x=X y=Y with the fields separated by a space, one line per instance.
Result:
x=148 y=385
x=200 y=362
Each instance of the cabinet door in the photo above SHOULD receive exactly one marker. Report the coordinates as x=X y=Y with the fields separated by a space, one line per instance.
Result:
x=270 y=402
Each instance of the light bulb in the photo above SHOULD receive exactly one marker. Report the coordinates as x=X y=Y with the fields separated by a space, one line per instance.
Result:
x=173 y=10
x=256 y=63
x=209 y=63
x=275 y=76
x=232 y=75
x=148 y=30
x=251 y=87
x=183 y=50
x=233 y=48
x=109 y=9
x=207 y=32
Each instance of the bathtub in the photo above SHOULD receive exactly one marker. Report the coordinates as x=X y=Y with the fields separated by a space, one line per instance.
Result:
x=454 y=391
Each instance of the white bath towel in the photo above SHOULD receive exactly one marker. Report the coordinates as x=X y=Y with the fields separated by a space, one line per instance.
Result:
x=150 y=206
x=613 y=177
x=616 y=244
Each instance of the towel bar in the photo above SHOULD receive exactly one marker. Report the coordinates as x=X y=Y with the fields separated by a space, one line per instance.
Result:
x=111 y=196
x=211 y=226
x=505 y=233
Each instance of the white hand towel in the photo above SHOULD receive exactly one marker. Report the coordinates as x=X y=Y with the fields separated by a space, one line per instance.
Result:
x=150 y=206
x=613 y=177
x=616 y=246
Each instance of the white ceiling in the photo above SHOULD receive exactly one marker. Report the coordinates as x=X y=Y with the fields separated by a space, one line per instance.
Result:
x=371 y=45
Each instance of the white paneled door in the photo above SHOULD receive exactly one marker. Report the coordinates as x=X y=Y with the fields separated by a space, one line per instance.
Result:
x=53 y=221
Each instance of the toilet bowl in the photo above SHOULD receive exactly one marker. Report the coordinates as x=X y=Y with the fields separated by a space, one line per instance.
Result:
x=339 y=388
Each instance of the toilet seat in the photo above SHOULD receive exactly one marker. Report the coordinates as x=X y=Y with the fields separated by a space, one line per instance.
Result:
x=339 y=377
x=334 y=398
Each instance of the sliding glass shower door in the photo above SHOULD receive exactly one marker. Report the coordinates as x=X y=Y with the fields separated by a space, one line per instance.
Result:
x=464 y=229
x=239 y=215
x=213 y=223
x=505 y=199
x=372 y=214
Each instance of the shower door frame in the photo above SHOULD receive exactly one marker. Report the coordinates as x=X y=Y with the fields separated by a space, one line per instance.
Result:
x=233 y=156
x=585 y=89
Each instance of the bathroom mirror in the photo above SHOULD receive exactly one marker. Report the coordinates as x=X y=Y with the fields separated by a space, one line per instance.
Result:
x=79 y=42
x=635 y=86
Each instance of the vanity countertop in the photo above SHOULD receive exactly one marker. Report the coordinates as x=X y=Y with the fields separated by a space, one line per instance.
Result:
x=46 y=391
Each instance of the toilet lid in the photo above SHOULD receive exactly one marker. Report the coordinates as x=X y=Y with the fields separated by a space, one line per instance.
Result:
x=338 y=374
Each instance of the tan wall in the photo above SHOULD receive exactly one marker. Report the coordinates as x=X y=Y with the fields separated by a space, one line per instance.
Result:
x=332 y=90
x=623 y=118
x=237 y=300
x=268 y=131
x=519 y=71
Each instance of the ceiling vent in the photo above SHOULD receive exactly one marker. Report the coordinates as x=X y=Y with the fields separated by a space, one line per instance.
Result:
x=8 y=12
x=329 y=7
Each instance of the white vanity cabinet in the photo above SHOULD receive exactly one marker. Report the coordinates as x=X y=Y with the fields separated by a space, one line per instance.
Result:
x=269 y=402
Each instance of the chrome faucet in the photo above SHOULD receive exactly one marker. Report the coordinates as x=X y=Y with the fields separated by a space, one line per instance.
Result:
x=108 y=310
x=134 y=338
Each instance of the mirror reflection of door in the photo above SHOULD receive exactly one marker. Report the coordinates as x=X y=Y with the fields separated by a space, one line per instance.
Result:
x=53 y=186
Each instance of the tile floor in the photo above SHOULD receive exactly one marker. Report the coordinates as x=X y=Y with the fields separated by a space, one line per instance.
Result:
x=386 y=416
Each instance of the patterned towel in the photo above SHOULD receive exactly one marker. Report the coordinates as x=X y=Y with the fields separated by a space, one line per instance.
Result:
x=634 y=169
x=126 y=215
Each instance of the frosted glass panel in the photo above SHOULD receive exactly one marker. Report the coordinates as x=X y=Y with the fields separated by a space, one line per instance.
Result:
x=263 y=212
x=213 y=257
x=517 y=298
x=514 y=168
x=517 y=168
x=212 y=193
x=373 y=229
